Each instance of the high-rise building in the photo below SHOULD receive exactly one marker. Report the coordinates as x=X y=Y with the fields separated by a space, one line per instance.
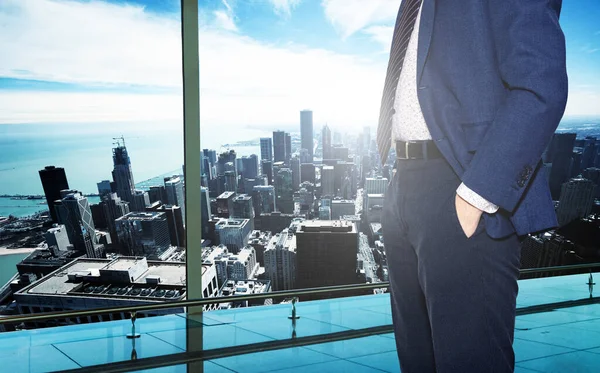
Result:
x=266 y=149
x=326 y=140
x=233 y=233
x=174 y=221
x=263 y=197
x=590 y=150
x=143 y=234
x=576 y=200
x=267 y=171
x=340 y=208
x=239 y=266
x=205 y=211
x=73 y=211
x=243 y=208
x=230 y=181
x=326 y=253
x=307 y=171
x=122 y=173
x=225 y=204
x=295 y=166
x=560 y=154
x=53 y=180
x=104 y=188
x=306 y=132
x=593 y=174
x=114 y=207
x=376 y=185
x=57 y=236
x=280 y=260
x=139 y=201
x=157 y=193
x=328 y=181
x=279 y=152
x=288 y=148
x=174 y=192
x=250 y=166
x=284 y=191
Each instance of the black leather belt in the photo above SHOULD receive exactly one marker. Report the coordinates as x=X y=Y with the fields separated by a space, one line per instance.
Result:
x=418 y=149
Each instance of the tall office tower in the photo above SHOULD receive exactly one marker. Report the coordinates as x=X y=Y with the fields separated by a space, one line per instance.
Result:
x=98 y=216
x=593 y=174
x=340 y=207
x=174 y=192
x=225 y=204
x=57 y=236
x=143 y=234
x=307 y=173
x=205 y=210
x=243 y=208
x=337 y=138
x=340 y=152
x=104 y=188
x=306 y=132
x=560 y=154
x=122 y=173
x=267 y=171
x=249 y=184
x=53 y=180
x=590 y=150
x=205 y=167
x=239 y=166
x=328 y=181
x=295 y=166
x=174 y=222
x=288 y=148
x=326 y=253
x=263 y=198
x=376 y=185
x=284 y=191
x=233 y=233
x=114 y=207
x=326 y=140
x=366 y=139
x=230 y=181
x=266 y=149
x=73 y=210
x=576 y=200
x=223 y=160
x=280 y=261
x=211 y=155
x=250 y=166
x=157 y=193
x=279 y=146
x=139 y=201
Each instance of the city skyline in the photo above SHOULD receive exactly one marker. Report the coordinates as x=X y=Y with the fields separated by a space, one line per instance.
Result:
x=331 y=47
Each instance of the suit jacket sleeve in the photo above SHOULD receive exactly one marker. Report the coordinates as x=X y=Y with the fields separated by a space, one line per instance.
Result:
x=530 y=49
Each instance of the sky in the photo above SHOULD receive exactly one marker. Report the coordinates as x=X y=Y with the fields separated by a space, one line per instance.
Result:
x=261 y=61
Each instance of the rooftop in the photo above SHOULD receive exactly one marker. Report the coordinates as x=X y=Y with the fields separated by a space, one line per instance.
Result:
x=553 y=338
x=326 y=226
x=147 y=216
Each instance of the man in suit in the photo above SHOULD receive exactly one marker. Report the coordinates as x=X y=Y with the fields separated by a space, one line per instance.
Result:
x=473 y=93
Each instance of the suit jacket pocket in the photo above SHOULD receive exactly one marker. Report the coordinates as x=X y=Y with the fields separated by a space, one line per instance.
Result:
x=474 y=133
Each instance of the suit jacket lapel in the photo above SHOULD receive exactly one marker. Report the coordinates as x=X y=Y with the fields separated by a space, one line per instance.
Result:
x=425 y=32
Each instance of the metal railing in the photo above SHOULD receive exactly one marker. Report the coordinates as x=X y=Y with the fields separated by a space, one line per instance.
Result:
x=239 y=298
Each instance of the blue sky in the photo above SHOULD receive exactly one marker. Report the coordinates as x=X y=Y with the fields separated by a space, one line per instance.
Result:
x=98 y=61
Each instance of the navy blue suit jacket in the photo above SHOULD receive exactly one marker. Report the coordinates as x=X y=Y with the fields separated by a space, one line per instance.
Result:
x=492 y=85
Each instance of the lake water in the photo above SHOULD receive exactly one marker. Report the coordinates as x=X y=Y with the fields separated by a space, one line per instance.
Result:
x=8 y=266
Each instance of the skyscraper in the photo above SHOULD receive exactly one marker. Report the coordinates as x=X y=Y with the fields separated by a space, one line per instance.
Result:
x=267 y=171
x=576 y=200
x=113 y=208
x=288 y=148
x=250 y=166
x=53 y=180
x=280 y=260
x=243 y=208
x=205 y=210
x=233 y=233
x=295 y=166
x=263 y=198
x=143 y=234
x=284 y=191
x=326 y=140
x=104 y=188
x=266 y=149
x=328 y=181
x=122 y=173
x=174 y=192
x=139 y=201
x=326 y=253
x=225 y=204
x=306 y=132
x=73 y=211
x=174 y=222
x=279 y=146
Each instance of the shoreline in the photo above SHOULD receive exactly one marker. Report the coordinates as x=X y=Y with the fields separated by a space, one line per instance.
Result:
x=6 y=251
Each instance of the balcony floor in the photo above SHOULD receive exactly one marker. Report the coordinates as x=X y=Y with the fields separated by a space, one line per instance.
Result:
x=564 y=340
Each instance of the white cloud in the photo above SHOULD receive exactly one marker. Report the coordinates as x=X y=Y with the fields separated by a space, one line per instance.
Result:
x=382 y=35
x=351 y=16
x=284 y=7
x=244 y=83
x=225 y=21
